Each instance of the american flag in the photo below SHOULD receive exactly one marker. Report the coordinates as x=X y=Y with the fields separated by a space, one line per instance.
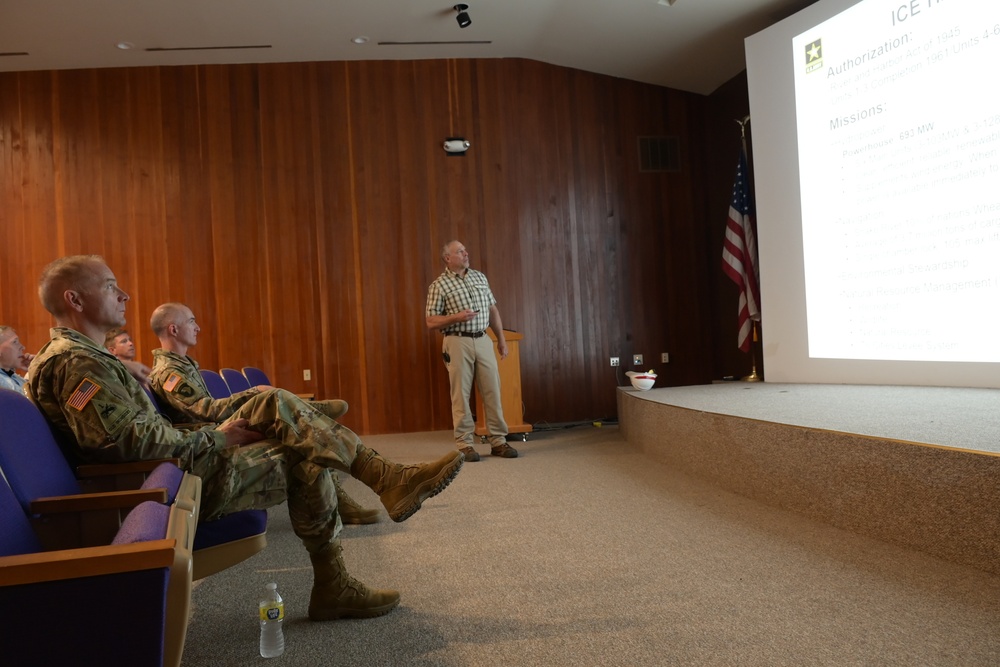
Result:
x=83 y=393
x=739 y=253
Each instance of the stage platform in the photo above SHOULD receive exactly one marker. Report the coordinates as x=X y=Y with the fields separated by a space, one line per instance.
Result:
x=916 y=466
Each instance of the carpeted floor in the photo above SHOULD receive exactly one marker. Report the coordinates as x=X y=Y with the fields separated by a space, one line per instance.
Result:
x=585 y=552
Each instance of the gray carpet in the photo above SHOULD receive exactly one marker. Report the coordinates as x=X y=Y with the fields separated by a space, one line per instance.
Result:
x=586 y=552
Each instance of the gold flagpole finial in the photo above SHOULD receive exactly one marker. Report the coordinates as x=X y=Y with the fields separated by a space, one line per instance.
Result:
x=743 y=124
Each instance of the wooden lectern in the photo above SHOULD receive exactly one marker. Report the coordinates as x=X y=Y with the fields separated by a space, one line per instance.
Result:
x=510 y=388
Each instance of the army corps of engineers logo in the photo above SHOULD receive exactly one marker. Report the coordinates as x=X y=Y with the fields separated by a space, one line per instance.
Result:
x=814 y=56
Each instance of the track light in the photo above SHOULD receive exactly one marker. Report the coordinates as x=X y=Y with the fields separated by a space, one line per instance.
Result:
x=463 y=16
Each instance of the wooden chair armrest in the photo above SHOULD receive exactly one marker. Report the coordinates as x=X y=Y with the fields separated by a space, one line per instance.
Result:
x=96 y=501
x=86 y=562
x=112 y=469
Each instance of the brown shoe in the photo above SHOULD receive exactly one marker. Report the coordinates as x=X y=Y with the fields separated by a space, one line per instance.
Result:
x=470 y=454
x=504 y=451
x=336 y=594
x=333 y=408
x=403 y=488
x=351 y=512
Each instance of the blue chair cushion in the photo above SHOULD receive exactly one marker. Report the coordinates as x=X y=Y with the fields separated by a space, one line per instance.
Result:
x=230 y=527
x=146 y=522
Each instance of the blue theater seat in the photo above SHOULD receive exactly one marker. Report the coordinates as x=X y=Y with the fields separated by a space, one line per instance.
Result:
x=67 y=605
x=42 y=478
x=236 y=380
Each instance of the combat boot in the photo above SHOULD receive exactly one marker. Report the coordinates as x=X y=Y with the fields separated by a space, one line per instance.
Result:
x=336 y=594
x=351 y=512
x=402 y=488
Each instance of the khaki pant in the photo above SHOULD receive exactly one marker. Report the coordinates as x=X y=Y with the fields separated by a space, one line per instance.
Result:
x=474 y=360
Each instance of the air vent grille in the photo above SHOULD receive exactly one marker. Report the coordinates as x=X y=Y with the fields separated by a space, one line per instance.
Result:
x=659 y=154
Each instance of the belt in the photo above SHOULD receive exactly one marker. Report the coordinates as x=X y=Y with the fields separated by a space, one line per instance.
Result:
x=465 y=334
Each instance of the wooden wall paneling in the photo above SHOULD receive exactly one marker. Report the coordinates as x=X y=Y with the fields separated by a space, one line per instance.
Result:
x=373 y=130
x=232 y=299
x=426 y=115
x=533 y=163
x=177 y=248
x=31 y=128
x=393 y=301
x=595 y=244
x=135 y=183
x=652 y=205
x=494 y=144
x=122 y=175
x=391 y=186
x=78 y=165
x=289 y=220
x=336 y=240
x=434 y=225
x=15 y=293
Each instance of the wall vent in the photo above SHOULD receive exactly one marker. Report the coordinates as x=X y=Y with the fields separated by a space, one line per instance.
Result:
x=659 y=154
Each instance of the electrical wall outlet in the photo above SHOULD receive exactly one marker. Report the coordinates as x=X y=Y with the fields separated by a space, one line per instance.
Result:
x=665 y=357
x=614 y=361
x=637 y=360
x=307 y=375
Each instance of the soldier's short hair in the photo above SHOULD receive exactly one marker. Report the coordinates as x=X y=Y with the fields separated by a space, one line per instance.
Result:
x=165 y=315
x=109 y=338
x=63 y=274
x=4 y=329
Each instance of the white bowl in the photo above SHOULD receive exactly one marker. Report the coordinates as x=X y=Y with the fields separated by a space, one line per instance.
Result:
x=643 y=382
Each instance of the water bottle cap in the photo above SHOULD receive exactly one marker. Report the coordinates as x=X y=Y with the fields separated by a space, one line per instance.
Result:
x=271 y=586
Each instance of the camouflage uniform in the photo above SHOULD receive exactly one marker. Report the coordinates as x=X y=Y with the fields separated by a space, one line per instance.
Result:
x=183 y=394
x=188 y=397
x=100 y=410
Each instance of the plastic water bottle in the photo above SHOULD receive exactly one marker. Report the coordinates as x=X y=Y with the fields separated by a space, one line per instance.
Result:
x=272 y=613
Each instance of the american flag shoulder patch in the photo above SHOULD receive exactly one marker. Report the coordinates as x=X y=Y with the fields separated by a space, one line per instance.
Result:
x=85 y=391
x=171 y=382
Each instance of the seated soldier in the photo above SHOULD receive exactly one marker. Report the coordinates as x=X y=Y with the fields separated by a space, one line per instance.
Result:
x=119 y=343
x=274 y=448
x=184 y=398
x=12 y=358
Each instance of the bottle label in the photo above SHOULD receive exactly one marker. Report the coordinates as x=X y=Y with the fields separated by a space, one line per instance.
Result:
x=272 y=612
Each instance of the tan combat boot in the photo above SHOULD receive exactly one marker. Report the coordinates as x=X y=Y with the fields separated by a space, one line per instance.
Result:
x=350 y=511
x=336 y=594
x=402 y=488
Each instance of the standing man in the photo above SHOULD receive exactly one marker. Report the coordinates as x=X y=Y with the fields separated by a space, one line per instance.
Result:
x=184 y=398
x=274 y=448
x=12 y=359
x=461 y=305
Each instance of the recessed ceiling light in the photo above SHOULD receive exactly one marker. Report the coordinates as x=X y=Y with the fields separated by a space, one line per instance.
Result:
x=125 y=46
x=360 y=40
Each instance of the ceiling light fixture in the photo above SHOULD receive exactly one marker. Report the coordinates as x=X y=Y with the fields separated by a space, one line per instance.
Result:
x=360 y=40
x=463 y=16
x=125 y=46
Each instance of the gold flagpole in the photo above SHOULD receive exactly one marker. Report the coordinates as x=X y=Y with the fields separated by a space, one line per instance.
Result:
x=754 y=376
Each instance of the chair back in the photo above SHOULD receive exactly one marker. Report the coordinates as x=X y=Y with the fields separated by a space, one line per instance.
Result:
x=16 y=535
x=217 y=386
x=30 y=457
x=236 y=381
x=255 y=376
x=153 y=399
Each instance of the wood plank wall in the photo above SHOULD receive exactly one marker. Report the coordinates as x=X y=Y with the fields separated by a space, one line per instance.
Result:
x=299 y=210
